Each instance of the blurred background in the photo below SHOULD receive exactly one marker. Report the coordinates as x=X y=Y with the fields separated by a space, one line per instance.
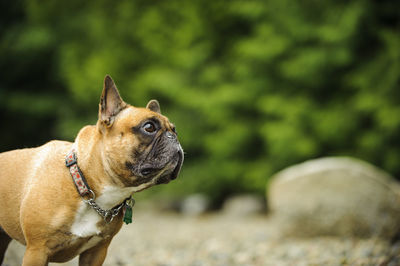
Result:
x=252 y=86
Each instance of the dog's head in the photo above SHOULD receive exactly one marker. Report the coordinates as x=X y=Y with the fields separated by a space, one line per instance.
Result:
x=139 y=146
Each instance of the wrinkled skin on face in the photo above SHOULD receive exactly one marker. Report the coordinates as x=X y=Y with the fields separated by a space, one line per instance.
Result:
x=141 y=146
x=159 y=153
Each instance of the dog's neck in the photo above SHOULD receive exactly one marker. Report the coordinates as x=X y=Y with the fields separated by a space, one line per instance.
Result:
x=108 y=188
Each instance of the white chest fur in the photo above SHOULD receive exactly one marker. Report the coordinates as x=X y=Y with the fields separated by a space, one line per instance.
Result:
x=112 y=196
x=86 y=218
x=85 y=222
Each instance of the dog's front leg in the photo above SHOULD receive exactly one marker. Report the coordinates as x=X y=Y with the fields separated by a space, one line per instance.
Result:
x=94 y=256
x=35 y=256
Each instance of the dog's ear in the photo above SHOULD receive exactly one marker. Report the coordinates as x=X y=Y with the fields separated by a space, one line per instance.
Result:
x=154 y=106
x=110 y=102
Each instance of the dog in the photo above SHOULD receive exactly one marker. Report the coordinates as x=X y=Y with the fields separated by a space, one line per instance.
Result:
x=66 y=199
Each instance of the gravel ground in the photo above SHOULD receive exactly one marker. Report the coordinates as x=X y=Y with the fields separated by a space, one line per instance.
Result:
x=166 y=239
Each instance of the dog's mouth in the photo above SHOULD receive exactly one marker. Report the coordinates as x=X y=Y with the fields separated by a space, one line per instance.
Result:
x=175 y=167
x=161 y=174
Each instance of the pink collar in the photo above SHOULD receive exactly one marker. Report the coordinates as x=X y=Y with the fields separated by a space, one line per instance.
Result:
x=76 y=174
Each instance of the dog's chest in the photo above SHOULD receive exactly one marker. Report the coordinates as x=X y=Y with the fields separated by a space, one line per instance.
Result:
x=87 y=221
x=88 y=229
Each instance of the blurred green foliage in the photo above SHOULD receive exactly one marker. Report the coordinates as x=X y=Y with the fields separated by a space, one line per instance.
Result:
x=253 y=86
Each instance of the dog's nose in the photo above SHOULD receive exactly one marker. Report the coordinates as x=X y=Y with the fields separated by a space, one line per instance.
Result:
x=170 y=135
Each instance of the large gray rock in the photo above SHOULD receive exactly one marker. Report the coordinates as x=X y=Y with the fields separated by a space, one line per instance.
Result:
x=335 y=196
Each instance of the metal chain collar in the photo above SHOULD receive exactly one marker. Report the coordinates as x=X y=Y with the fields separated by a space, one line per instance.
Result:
x=108 y=215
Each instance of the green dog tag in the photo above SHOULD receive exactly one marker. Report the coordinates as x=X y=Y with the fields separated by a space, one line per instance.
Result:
x=128 y=210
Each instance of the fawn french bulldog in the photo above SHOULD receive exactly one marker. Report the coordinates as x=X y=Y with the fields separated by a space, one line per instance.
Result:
x=65 y=199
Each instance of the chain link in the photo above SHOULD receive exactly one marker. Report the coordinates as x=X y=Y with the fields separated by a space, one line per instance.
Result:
x=108 y=215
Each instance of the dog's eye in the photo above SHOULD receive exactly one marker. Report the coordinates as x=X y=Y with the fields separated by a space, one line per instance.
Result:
x=149 y=127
